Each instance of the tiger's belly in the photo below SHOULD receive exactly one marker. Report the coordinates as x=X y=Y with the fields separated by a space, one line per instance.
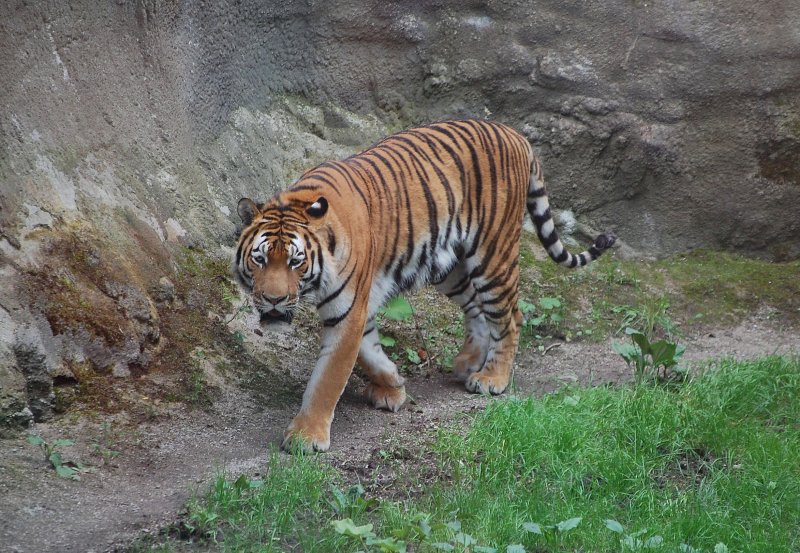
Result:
x=410 y=272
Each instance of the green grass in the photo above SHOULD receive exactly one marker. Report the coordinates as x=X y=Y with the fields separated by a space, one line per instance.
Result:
x=725 y=287
x=706 y=287
x=715 y=461
x=265 y=514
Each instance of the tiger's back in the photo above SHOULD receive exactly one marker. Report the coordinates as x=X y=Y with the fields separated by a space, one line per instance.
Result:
x=442 y=204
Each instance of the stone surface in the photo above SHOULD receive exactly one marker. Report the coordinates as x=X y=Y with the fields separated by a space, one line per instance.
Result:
x=14 y=410
x=130 y=131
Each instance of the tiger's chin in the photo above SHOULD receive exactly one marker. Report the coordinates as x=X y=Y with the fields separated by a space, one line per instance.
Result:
x=275 y=316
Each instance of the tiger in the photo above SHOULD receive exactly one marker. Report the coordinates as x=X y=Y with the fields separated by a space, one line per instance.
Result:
x=441 y=204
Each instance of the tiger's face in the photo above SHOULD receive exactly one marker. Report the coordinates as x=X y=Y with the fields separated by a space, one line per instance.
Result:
x=275 y=258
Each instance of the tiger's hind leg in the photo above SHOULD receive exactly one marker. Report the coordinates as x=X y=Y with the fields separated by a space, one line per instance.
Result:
x=504 y=321
x=458 y=287
x=386 y=388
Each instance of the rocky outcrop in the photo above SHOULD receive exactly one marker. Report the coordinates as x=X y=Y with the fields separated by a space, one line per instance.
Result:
x=129 y=131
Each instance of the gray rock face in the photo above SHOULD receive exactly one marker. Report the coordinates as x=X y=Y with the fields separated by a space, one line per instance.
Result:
x=135 y=127
x=14 y=410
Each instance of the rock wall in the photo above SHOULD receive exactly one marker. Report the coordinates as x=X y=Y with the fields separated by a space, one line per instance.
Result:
x=129 y=129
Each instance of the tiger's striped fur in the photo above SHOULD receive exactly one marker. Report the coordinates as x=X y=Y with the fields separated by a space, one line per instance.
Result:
x=440 y=204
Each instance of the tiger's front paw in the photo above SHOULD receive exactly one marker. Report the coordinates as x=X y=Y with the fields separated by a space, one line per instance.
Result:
x=306 y=436
x=486 y=383
x=386 y=397
x=468 y=361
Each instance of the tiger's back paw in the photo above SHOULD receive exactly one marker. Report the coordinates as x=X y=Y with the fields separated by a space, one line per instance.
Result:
x=385 y=397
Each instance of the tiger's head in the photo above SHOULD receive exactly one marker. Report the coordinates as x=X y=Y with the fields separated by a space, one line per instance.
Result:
x=278 y=256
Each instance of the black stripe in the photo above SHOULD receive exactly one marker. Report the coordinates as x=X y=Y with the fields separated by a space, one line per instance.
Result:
x=331 y=240
x=548 y=240
x=350 y=179
x=333 y=321
x=299 y=187
x=338 y=291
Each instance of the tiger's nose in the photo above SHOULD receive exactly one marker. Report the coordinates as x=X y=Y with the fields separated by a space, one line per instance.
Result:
x=274 y=300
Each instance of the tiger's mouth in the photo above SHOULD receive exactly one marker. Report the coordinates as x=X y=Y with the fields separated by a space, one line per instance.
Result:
x=274 y=316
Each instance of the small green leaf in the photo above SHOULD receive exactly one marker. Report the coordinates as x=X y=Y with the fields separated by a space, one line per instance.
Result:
x=641 y=341
x=464 y=539
x=355 y=491
x=341 y=499
x=526 y=307
x=55 y=459
x=35 y=440
x=242 y=483
x=653 y=542
x=663 y=353
x=66 y=472
x=484 y=549
x=387 y=545
x=720 y=548
x=614 y=526
x=454 y=525
x=537 y=321
x=516 y=548
x=347 y=527
x=533 y=528
x=425 y=528
x=549 y=303
x=568 y=524
x=413 y=356
x=387 y=341
x=397 y=309
x=628 y=351
x=571 y=400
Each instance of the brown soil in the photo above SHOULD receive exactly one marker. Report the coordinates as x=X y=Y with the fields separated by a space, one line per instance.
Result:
x=166 y=451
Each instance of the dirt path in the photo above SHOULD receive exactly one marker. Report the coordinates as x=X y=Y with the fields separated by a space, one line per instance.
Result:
x=161 y=462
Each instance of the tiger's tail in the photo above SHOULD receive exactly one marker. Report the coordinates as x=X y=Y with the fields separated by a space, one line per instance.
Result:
x=539 y=208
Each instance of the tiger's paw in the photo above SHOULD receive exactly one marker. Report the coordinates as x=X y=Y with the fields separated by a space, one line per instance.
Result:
x=483 y=383
x=467 y=363
x=305 y=437
x=385 y=397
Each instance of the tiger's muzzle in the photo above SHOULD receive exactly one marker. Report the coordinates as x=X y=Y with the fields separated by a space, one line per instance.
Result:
x=274 y=316
x=274 y=309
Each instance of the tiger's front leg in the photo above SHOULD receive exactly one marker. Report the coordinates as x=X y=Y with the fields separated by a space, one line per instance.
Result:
x=340 y=341
x=386 y=389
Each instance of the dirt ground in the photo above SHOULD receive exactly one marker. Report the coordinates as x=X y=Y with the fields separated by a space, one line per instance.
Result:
x=160 y=460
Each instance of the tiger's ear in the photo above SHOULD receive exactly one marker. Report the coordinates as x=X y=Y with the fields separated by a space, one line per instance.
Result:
x=248 y=210
x=318 y=208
